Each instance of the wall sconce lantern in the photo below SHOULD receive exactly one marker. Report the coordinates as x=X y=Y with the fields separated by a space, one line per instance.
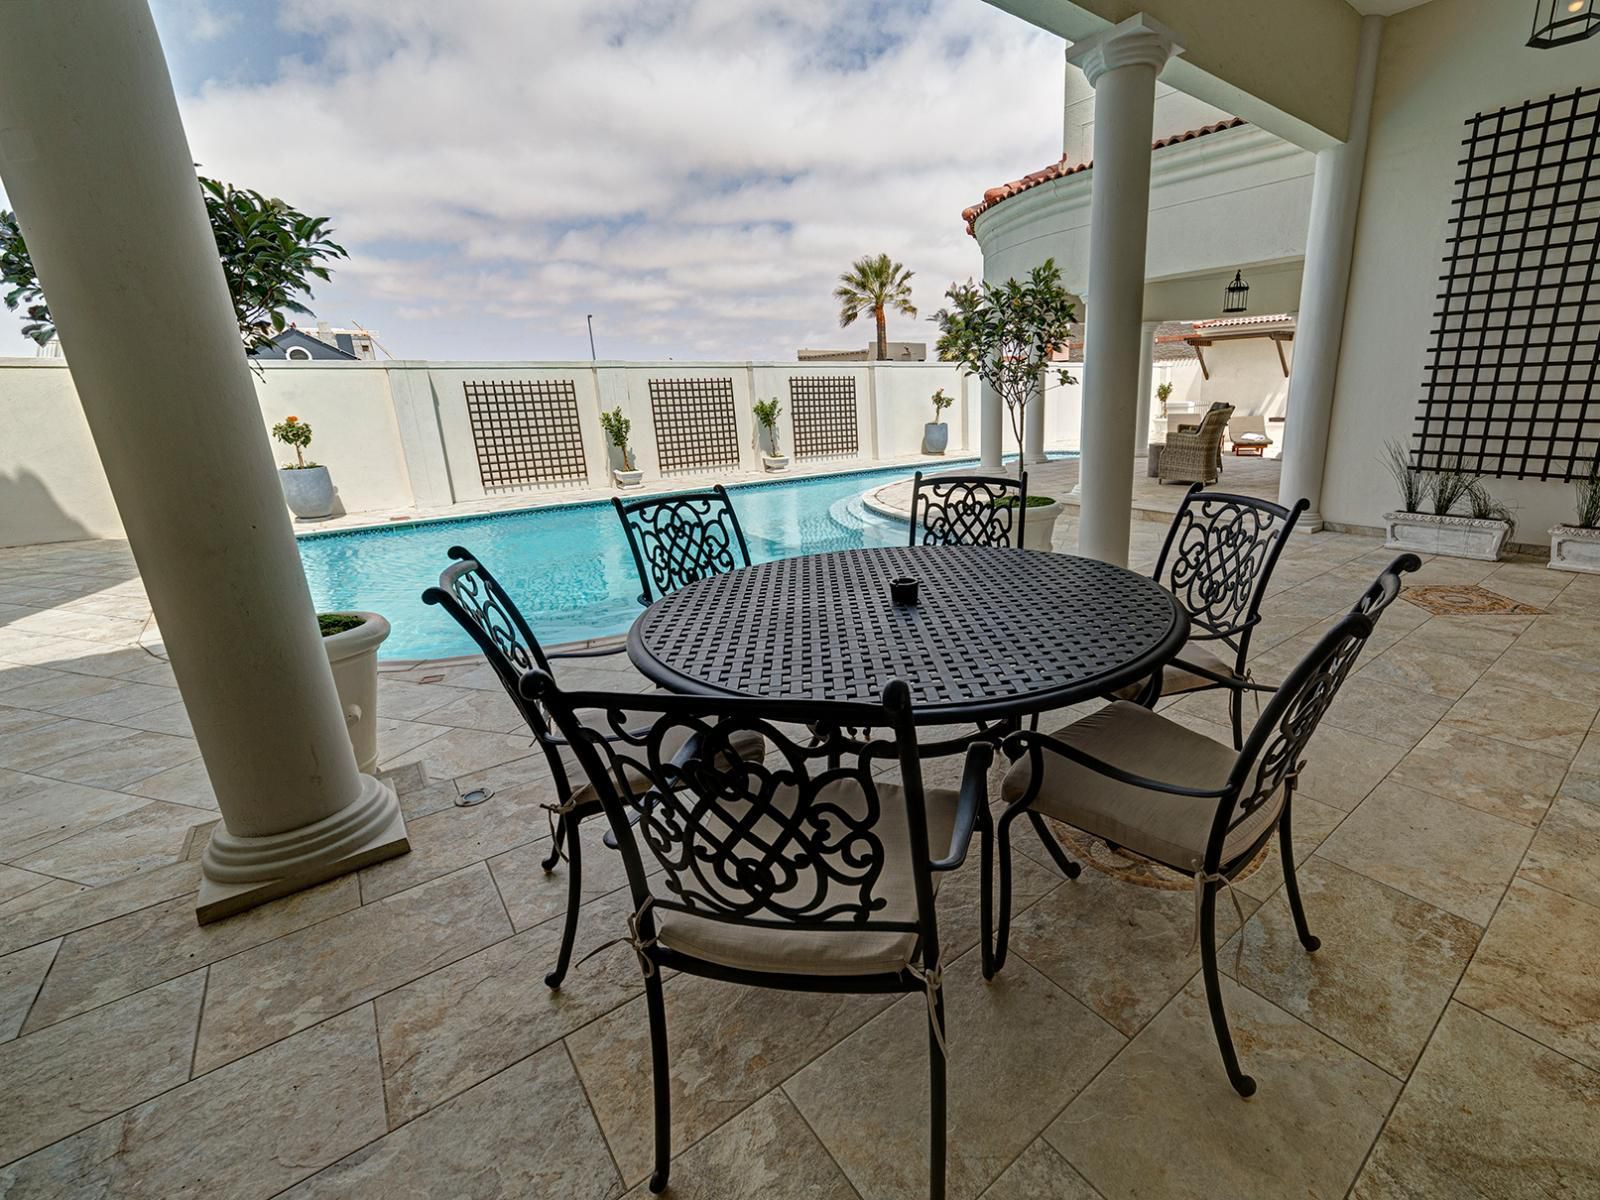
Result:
x=1562 y=22
x=1236 y=295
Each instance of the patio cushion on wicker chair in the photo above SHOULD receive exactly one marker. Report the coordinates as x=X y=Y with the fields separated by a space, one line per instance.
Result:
x=1170 y=829
x=1175 y=678
x=844 y=950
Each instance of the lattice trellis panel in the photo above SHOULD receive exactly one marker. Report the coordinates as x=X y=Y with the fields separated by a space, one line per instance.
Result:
x=1509 y=388
x=526 y=432
x=822 y=409
x=694 y=423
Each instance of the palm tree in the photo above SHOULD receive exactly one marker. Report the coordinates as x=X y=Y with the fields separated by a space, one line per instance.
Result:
x=874 y=284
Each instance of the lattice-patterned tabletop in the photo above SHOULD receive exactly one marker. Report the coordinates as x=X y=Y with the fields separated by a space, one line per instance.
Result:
x=995 y=632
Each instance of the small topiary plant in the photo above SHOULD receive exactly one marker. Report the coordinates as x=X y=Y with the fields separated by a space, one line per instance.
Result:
x=292 y=431
x=1163 y=394
x=332 y=623
x=767 y=415
x=617 y=427
x=940 y=403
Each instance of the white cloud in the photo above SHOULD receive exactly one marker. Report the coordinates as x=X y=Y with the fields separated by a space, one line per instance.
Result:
x=694 y=172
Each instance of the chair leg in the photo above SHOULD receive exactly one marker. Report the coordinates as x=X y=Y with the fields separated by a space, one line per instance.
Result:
x=986 y=898
x=1068 y=868
x=549 y=863
x=1292 y=885
x=1242 y=1083
x=936 y=1098
x=1002 y=936
x=661 y=1079
x=1236 y=715
x=569 y=928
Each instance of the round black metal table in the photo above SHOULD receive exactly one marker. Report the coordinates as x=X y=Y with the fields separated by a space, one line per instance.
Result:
x=995 y=632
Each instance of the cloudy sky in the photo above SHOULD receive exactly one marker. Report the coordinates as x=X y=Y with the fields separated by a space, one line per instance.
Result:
x=696 y=173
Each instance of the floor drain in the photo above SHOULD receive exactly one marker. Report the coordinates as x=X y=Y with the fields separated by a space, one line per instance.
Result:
x=475 y=796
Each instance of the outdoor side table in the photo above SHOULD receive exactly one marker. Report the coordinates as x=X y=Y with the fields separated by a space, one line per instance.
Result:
x=995 y=632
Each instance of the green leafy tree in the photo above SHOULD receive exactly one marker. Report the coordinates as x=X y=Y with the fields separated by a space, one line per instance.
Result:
x=270 y=253
x=874 y=284
x=1004 y=334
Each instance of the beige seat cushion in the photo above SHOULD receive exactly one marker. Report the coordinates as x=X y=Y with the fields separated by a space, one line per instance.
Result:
x=747 y=744
x=830 y=952
x=1175 y=679
x=1170 y=829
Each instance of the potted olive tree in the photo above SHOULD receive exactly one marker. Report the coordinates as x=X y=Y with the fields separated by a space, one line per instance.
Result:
x=307 y=487
x=1577 y=547
x=767 y=417
x=936 y=434
x=617 y=426
x=351 y=640
x=1481 y=532
x=1004 y=333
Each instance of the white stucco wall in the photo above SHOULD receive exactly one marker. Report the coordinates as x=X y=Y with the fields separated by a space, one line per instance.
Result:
x=1440 y=64
x=51 y=486
x=1246 y=374
x=1174 y=113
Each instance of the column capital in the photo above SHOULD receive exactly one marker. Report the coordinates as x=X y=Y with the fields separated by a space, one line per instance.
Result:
x=1138 y=41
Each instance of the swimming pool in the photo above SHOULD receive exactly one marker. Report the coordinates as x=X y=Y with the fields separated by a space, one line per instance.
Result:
x=568 y=566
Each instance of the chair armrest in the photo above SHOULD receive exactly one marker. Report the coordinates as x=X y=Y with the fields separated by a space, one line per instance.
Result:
x=1026 y=741
x=971 y=806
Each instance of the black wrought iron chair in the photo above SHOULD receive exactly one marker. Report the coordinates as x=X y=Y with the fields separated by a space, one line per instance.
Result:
x=680 y=538
x=1212 y=809
x=469 y=593
x=1217 y=559
x=806 y=872
x=968 y=510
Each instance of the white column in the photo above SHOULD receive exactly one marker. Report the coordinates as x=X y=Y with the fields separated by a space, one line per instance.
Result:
x=95 y=159
x=993 y=427
x=1147 y=383
x=1033 y=427
x=1121 y=65
x=1319 y=329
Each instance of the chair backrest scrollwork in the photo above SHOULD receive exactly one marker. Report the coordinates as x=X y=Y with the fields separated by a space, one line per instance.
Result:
x=968 y=510
x=680 y=538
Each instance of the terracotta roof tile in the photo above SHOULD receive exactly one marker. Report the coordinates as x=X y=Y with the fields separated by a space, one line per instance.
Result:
x=1062 y=169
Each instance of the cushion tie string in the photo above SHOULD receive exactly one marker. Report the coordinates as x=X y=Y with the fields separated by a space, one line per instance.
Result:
x=551 y=812
x=635 y=938
x=1201 y=878
x=932 y=980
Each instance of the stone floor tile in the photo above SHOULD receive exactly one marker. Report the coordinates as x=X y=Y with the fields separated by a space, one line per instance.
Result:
x=730 y=1045
x=1565 y=854
x=1162 y=1119
x=132 y=952
x=396 y=737
x=491 y=711
x=172 y=719
x=187 y=784
x=283 y=986
x=1480 y=640
x=147 y=837
x=1121 y=948
x=60 y=907
x=1422 y=669
x=1537 y=971
x=451 y=838
x=15 y=882
x=115 y=704
x=62 y=1079
x=21 y=973
x=765 y=1153
x=16 y=721
x=1488 y=1115
x=526 y=1132
x=36 y=812
x=1588 y=758
x=1020 y=1048
x=1562 y=633
x=459 y=752
x=127 y=760
x=1040 y=1173
x=1565 y=676
x=1400 y=716
x=1440 y=568
x=1311 y=822
x=13 y=676
x=1343 y=767
x=49 y=689
x=245 y=1132
x=1385 y=971
x=61 y=739
x=534 y=895
x=459 y=1025
x=407 y=700
x=1485 y=773
x=1523 y=718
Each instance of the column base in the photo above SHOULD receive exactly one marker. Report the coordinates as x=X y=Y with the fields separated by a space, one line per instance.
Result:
x=1310 y=522
x=237 y=873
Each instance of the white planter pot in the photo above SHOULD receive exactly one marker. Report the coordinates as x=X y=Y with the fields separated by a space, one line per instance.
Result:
x=308 y=491
x=935 y=437
x=1458 y=537
x=627 y=478
x=1574 y=548
x=353 y=655
x=775 y=462
x=1040 y=526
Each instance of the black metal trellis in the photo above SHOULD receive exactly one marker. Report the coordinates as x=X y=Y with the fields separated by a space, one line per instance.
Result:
x=694 y=423
x=1509 y=388
x=823 y=412
x=526 y=432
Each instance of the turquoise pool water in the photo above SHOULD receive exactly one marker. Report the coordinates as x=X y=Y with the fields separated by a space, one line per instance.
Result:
x=568 y=567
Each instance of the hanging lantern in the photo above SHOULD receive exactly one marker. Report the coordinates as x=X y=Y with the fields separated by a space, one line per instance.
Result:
x=1562 y=22
x=1238 y=292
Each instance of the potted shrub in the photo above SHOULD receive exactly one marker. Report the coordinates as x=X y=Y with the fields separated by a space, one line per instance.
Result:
x=307 y=487
x=1163 y=394
x=1005 y=333
x=1577 y=547
x=767 y=417
x=1480 y=533
x=352 y=640
x=936 y=434
x=617 y=427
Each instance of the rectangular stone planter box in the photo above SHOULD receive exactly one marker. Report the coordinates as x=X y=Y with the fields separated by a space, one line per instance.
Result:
x=1458 y=537
x=1574 y=548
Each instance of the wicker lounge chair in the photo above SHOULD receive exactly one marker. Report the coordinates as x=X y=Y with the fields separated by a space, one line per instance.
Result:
x=1248 y=434
x=1196 y=457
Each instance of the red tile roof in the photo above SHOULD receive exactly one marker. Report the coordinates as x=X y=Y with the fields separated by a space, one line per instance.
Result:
x=1061 y=169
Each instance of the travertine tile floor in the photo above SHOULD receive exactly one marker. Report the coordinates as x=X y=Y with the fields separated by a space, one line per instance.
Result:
x=389 y=1033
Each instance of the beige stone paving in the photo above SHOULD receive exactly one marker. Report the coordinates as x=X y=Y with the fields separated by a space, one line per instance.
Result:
x=391 y=1033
